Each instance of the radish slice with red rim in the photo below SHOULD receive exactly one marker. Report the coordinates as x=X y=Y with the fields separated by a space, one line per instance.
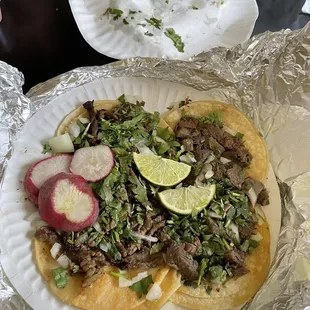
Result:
x=93 y=163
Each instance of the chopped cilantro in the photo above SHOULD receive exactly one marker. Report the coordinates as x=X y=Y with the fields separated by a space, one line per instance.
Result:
x=141 y=287
x=209 y=289
x=176 y=39
x=119 y=274
x=147 y=33
x=121 y=98
x=156 y=247
x=132 y=12
x=157 y=23
x=239 y=135
x=141 y=24
x=61 y=277
x=125 y=21
x=116 y=12
x=194 y=7
x=46 y=148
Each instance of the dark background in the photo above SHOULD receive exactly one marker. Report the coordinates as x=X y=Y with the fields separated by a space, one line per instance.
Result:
x=41 y=39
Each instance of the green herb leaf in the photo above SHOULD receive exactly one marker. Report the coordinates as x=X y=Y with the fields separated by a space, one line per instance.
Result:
x=142 y=286
x=157 y=23
x=194 y=7
x=176 y=39
x=157 y=247
x=46 y=148
x=239 y=135
x=122 y=99
x=119 y=274
x=149 y=34
x=61 y=277
x=116 y=12
x=125 y=21
x=132 y=12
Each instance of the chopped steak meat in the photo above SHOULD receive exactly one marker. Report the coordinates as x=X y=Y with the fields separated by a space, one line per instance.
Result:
x=93 y=129
x=256 y=191
x=216 y=147
x=235 y=257
x=183 y=132
x=218 y=169
x=241 y=156
x=245 y=232
x=188 y=144
x=192 y=248
x=235 y=174
x=201 y=152
x=143 y=259
x=214 y=228
x=47 y=234
x=179 y=259
x=121 y=248
x=187 y=123
x=263 y=198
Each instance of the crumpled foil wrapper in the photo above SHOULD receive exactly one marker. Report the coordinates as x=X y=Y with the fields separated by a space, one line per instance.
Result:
x=268 y=78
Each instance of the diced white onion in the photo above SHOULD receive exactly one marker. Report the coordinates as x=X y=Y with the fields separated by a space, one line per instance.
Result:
x=252 y=196
x=63 y=261
x=100 y=135
x=123 y=282
x=234 y=228
x=209 y=172
x=143 y=149
x=83 y=238
x=74 y=129
x=210 y=158
x=257 y=237
x=214 y=215
x=179 y=185
x=225 y=160
x=229 y=130
x=145 y=237
x=55 y=249
x=61 y=144
x=97 y=226
x=104 y=247
x=38 y=224
x=139 y=276
x=187 y=158
x=84 y=120
x=154 y=293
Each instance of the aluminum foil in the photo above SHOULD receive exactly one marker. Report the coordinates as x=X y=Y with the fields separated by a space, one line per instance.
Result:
x=268 y=78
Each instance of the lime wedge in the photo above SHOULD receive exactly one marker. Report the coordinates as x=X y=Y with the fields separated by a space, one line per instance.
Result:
x=161 y=171
x=187 y=200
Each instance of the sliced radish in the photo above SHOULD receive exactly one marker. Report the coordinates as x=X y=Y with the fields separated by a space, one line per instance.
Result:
x=93 y=163
x=67 y=202
x=61 y=144
x=43 y=170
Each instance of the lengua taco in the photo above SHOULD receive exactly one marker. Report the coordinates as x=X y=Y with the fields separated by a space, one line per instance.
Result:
x=148 y=210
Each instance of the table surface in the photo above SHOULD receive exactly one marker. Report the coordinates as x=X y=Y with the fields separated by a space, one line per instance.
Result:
x=41 y=38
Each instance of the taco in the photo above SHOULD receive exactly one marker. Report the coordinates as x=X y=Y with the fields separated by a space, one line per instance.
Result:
x=175 y=216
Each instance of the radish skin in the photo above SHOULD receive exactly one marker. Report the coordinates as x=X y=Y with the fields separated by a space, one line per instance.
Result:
x=67 y=202
x=43 y=170
x=93 y=163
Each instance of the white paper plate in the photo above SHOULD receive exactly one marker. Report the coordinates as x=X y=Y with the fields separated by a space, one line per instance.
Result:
x=18 y=217
x=212 y=25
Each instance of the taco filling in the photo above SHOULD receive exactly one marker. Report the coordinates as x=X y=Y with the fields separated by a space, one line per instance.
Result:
x=143 y=223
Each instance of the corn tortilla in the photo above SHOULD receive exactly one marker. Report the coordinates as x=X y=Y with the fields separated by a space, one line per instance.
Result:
x=236 y=121
x=102 y=294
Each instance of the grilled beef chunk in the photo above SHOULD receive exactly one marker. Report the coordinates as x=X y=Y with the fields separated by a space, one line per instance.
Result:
x=213 y=227
x=217 y=148
x=260 y=192
x=218 y=169
x=192 y=248
x=235 y=174
x=47 y=234
x=241 y=156
x=187 y=123
x=188 y=144
x=240 y=271
x=93 y=129
x=235 y=257
x=143 y=259
x=183 y=132
x=179 y=259
x=263 y=198
x=245 y=232
x=201 y=152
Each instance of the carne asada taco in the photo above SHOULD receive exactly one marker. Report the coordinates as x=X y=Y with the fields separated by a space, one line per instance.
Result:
x=140 y=215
